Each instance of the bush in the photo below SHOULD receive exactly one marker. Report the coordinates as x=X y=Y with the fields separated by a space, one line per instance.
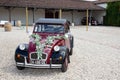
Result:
x=112 y=17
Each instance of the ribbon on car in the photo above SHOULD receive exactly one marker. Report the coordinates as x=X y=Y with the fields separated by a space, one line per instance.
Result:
x=50 y=39
x=39 y=46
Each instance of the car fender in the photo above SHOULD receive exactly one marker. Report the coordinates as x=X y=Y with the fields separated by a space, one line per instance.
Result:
x=63 y=52
x=66 y=50
x=22 y=53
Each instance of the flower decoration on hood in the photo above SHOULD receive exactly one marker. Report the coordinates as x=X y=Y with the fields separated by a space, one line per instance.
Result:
x=40 y=46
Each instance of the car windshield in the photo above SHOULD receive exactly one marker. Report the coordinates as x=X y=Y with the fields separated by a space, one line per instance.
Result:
x=49 y=28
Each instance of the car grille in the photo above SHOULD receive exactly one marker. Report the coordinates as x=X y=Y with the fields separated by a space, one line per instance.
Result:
x=43 y=56
x=34 y=56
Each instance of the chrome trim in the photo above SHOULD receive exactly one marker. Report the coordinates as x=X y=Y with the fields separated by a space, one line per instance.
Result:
x=37 y=58
x=25 y=64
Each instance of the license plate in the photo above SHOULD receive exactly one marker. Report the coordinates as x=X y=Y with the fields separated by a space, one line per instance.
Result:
x=37 y=61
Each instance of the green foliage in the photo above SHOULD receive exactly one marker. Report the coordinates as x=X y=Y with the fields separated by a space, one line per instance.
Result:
x=113 y=14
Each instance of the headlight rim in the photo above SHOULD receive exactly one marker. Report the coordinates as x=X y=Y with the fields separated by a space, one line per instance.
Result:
x=22 y=47
x=56 y=48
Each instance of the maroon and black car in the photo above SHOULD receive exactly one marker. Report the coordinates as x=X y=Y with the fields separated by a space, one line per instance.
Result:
x=50 y=46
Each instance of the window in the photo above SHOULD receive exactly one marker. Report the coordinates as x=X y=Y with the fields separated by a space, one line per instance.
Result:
x=50 y=28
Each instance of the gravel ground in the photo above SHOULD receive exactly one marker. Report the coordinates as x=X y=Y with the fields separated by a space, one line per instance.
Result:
x=96 y=56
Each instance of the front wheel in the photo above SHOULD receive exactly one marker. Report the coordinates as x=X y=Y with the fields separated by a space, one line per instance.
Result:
x=65 y=65
x=20 y=68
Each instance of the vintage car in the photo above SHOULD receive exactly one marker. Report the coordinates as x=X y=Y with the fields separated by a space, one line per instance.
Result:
x=50 y=46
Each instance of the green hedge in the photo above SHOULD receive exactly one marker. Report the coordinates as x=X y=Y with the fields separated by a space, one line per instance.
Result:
x=112 y=17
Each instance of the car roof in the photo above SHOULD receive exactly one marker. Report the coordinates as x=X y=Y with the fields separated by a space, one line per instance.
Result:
x=50 y=20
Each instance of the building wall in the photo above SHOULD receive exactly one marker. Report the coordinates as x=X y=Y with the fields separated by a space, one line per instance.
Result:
x=77 y=16
x=67 y=15
x=82 y=14
x=39 y=13
x=99 y=16
x=20 y=14
x=4 y=14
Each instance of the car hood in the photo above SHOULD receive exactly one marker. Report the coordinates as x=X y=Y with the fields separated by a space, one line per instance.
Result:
x=43 y=44
x=46 y=44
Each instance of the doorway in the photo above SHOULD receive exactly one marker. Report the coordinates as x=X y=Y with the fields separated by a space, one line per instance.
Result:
x=51 y=14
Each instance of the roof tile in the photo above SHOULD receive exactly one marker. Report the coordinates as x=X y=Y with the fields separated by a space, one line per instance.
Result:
x=55 y=4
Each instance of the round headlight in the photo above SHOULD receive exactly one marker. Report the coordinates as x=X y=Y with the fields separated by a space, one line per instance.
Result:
x=56 y=48
x=22 y=46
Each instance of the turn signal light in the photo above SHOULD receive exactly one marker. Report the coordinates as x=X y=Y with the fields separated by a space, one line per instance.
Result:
x=18 y=55
x=60 y=58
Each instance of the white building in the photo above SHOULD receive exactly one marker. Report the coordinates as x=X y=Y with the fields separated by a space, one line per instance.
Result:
x=73 y=10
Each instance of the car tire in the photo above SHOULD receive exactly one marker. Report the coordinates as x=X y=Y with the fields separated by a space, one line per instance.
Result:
x=68 y=58
x=20 y=68
x=65 y=65
x=71 y=51
x=72 y=45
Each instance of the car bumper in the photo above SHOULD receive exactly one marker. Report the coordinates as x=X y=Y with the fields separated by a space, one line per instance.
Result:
x=25 y=64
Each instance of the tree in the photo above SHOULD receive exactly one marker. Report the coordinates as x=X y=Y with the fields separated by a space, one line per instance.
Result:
x=113 y=14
